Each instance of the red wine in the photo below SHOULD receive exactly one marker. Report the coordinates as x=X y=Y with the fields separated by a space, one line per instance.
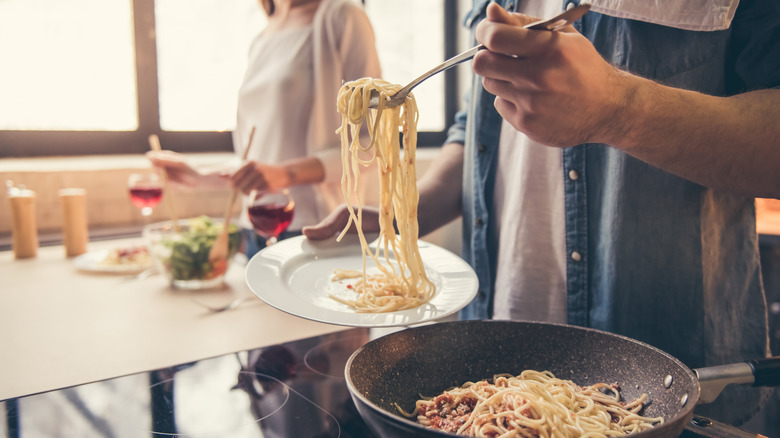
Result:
x=145 y=196
x=270 y=220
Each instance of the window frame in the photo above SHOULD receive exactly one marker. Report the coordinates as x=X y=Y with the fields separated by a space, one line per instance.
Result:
x=24 y=143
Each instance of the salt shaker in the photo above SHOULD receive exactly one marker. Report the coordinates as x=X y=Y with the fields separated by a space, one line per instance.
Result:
x=24 y=226
x=75 y=234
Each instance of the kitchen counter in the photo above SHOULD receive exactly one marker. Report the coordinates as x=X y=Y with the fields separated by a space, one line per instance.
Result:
x=61 y=327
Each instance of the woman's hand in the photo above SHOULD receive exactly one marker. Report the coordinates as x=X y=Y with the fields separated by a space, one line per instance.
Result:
x=180 y=173
x=254 y=175
x=335 y=222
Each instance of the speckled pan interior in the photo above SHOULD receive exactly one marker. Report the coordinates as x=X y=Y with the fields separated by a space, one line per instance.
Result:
x=426 y=360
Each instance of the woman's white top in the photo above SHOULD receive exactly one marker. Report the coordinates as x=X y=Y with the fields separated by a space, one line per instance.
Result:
x=289 y=95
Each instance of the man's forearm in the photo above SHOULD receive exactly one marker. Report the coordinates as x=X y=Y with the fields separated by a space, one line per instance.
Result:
x=440 y=189
x=730 y=143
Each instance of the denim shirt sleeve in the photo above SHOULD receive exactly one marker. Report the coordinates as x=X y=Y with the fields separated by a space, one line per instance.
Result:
x=457 y=131
x=479 y=128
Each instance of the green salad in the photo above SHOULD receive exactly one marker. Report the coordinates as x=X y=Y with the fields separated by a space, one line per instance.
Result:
x=189 y=250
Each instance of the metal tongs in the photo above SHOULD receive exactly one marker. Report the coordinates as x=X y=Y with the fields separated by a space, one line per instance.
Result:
x=552 y=24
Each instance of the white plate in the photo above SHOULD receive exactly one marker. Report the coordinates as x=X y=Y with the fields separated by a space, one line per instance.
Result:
x=92 y=262
x=294 y=276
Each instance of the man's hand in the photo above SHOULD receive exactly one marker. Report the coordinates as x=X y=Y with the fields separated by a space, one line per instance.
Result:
x=552 y=86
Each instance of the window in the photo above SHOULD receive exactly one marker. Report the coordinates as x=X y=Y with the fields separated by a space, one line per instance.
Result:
x=410 y=44
x=100 y=76
x=72 y=72
x=201 y=58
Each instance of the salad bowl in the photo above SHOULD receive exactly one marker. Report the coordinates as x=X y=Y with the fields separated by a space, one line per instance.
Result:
x=183 y=255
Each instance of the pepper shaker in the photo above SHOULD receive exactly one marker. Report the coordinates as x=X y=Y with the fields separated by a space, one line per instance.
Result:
x=75 y=234
x=24 y=227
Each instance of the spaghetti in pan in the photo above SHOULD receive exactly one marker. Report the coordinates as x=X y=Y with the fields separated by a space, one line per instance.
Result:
x=533 y=404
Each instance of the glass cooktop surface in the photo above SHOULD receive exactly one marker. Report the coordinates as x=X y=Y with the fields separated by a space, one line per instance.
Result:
x=296 y=389
x=288 y=390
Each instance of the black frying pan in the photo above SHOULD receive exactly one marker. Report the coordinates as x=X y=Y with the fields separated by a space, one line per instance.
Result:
x=397 y=368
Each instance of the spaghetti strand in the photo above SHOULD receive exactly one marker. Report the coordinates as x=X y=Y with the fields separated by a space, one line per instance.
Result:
x=401 y=282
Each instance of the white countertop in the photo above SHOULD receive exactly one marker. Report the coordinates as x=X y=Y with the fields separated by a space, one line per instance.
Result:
x=61 y=327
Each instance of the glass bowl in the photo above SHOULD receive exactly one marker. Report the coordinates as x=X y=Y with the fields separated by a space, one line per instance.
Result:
x=183 y=256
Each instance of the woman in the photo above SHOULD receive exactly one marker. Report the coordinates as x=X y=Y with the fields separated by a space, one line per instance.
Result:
x=296 y=67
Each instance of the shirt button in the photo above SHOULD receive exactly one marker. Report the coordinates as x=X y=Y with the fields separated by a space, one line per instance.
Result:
x=481 y=294
x=481 y=148
x=574 y=175
x=576 y=256
x=478 y=222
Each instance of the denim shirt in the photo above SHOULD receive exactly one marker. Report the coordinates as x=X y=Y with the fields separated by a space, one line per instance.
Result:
x=652 y=256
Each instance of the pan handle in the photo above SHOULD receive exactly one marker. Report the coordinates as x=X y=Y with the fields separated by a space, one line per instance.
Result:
x=766 y=371
x=756 y=372
x=704 y=427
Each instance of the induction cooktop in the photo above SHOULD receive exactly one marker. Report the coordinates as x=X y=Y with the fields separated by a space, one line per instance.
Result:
x=295 y=389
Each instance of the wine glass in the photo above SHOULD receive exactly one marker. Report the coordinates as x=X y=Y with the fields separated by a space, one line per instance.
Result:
x=145 y=191
x=271 y=213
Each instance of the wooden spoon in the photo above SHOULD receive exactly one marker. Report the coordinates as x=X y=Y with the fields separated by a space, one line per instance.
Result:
x=219 y=251
x=154 y=142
